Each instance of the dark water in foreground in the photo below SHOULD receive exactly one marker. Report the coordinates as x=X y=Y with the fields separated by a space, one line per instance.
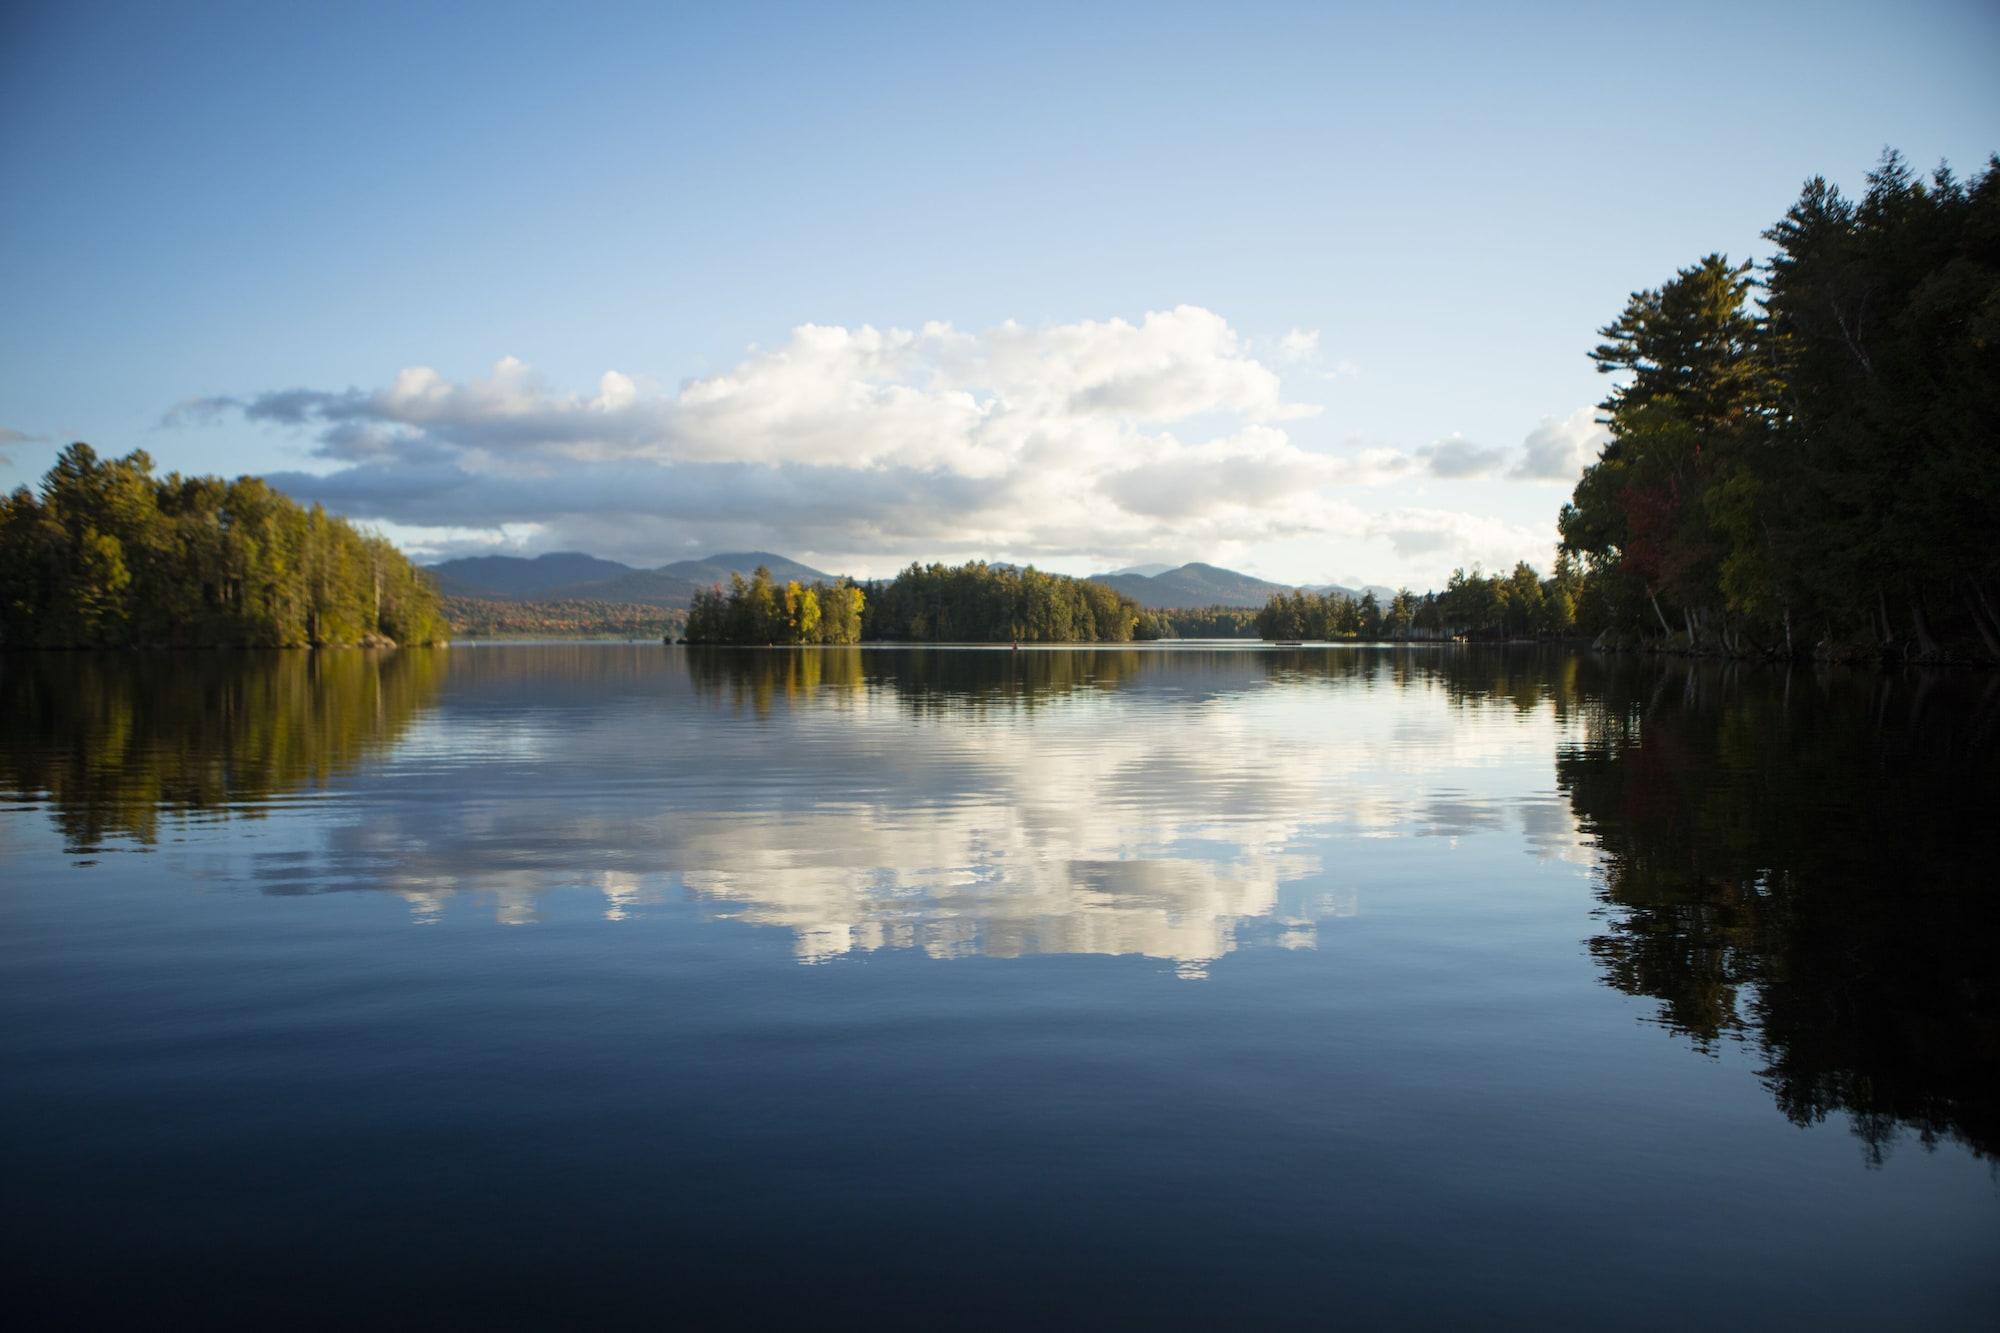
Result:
x=524 y=985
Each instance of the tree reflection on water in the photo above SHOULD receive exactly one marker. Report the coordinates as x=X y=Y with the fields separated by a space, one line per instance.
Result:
x=113 y=740
x=1805 y=863
x=1797 y=861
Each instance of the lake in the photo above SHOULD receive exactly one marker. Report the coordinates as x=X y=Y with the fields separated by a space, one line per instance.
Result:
x=1175 y=985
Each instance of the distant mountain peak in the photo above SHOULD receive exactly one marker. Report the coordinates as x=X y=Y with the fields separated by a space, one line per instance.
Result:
x=574 y=576
x=1191 y=585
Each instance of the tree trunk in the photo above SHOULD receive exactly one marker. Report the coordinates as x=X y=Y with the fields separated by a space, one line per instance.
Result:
x=1651 y=597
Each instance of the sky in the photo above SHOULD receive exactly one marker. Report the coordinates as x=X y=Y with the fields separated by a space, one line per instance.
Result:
x=1305 y=291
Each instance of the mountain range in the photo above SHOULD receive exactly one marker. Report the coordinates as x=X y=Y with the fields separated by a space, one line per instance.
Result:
x=1196 y=584
x=574 y=576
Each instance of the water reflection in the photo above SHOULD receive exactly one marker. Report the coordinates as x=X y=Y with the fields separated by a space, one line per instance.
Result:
x=112 y=741
x=955 y=803
x=1806 y=863
x=1797 y=862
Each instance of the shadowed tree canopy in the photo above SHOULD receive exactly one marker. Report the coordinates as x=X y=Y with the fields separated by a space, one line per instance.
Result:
x=1518 y=605
x=1815 y=469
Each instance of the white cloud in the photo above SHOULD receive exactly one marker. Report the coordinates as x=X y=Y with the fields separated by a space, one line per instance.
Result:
x=1439 y=537
x=1561 y=448
x=1298 y=346
x=1040 y=441
x=1455 y=458
x=1085 y=442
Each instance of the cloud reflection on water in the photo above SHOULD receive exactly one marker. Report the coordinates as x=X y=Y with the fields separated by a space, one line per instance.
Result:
x=1169 y=805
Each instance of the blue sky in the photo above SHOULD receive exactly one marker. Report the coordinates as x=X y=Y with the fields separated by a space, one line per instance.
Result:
x=876 y=281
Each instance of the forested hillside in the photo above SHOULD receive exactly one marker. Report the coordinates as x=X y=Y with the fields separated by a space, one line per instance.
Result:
x=1805 y=456
x=566 y=618
x=109 y=555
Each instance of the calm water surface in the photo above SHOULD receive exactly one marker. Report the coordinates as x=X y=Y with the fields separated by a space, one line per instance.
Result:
x=534 y=984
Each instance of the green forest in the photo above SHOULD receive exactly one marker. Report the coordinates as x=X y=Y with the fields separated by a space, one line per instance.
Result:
x=982 y=603
x=1803 y=452
x=757 y=610
x=110 y=556
x=969 y=603
x=1518 y=605
x=1201 y=622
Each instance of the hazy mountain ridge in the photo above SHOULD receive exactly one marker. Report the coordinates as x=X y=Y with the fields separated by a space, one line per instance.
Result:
x=513 y=577
x=569 y=576
x=1196 y=584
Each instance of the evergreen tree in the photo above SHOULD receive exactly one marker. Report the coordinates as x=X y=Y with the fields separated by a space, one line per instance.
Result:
x=110 y=556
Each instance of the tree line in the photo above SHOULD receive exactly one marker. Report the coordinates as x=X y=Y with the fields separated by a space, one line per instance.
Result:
x=1517 y=605
x=757 y=610
x=1802 y=454
x=1200 y=622
x=981 y=603
x=110 y=556
x=970 y=603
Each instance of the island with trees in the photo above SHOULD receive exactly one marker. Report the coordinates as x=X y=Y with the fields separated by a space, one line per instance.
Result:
x=970 y=603
x=111 y=556
x=759 y=610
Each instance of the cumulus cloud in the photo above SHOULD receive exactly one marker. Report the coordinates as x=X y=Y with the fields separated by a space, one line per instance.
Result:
x=1561 y=448
x=1068 y=439
x=1440 y=537
x=1083 y=441
x=1458 y=459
